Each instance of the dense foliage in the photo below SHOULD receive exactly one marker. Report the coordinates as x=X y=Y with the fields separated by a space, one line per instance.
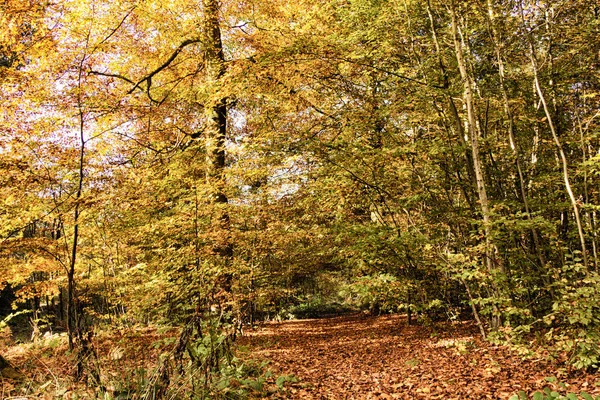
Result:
x=171 y=162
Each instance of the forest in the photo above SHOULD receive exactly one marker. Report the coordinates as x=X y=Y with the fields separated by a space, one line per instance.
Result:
x=177 y=174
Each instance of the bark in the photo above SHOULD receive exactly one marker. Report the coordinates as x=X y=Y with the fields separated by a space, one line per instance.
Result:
x=589 y=220
x=553 y=130
x=454 y=112
x=474 y=137
x=72 y=316
x=511 y=127
x=474 y=310
x=216 y=126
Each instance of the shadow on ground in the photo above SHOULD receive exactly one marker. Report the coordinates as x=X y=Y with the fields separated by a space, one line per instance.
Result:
x=359 y=357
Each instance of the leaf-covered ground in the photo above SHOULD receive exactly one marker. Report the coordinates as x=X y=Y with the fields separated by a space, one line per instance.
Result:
x=358 y=357
x=350 y=357
x=49 y=367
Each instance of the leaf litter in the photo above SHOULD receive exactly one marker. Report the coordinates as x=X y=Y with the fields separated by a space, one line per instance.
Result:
x=348 y=357
x=367 y=357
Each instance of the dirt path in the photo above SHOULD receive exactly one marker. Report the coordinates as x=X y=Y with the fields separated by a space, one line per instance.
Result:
x=357 y=357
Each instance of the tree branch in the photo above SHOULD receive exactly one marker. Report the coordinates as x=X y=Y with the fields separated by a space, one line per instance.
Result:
x=148 y=78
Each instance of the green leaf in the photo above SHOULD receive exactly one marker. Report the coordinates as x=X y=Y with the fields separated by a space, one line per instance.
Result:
x=280 y=381
x=256 y=385
x=586 y=396
x=538 y=396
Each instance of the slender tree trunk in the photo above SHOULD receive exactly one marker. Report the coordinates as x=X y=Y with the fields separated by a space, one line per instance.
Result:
x=511 y=128
x=72 y=316
x=586 y=198
x=473 y=130
x=474 y=137
x=453 y=111
x=215 y=129
x=79 y=333
x=474 y=309
x=553 y=130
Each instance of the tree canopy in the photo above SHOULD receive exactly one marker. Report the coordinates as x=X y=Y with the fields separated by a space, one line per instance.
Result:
x=173 y=161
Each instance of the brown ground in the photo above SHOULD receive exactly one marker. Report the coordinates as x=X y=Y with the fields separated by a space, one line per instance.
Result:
x=351 y=357
x=358 y=357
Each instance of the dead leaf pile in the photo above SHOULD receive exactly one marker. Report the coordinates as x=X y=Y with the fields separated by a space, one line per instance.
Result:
x=359 y=357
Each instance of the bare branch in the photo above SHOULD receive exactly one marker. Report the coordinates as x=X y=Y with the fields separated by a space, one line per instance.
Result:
x=148 y=78
x=112 y=76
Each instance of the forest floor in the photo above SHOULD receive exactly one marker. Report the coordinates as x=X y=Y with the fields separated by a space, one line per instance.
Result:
x=348 y=357
x=360 y=357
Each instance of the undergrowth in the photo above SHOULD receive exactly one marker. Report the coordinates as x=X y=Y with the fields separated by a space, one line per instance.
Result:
x=201 y=362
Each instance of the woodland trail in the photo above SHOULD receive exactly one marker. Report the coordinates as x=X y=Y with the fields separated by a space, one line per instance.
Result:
x=358 y=357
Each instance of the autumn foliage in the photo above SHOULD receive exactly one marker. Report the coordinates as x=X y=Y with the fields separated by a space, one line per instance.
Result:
x=201 y=166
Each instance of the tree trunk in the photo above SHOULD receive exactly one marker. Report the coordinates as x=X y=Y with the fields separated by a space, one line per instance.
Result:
x=454 y=112
x=553 y=130
x=216 y=128
x=474 y=137
x=473 y=131
x=511 y=127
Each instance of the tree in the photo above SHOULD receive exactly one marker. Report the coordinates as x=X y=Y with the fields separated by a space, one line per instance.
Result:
x=200 y=162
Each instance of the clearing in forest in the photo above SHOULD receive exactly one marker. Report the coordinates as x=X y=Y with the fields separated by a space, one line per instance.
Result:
x=358 y=357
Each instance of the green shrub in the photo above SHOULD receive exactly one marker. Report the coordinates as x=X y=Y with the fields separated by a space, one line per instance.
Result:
x=382 y=293
x=575 y=319
x=316 y=307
